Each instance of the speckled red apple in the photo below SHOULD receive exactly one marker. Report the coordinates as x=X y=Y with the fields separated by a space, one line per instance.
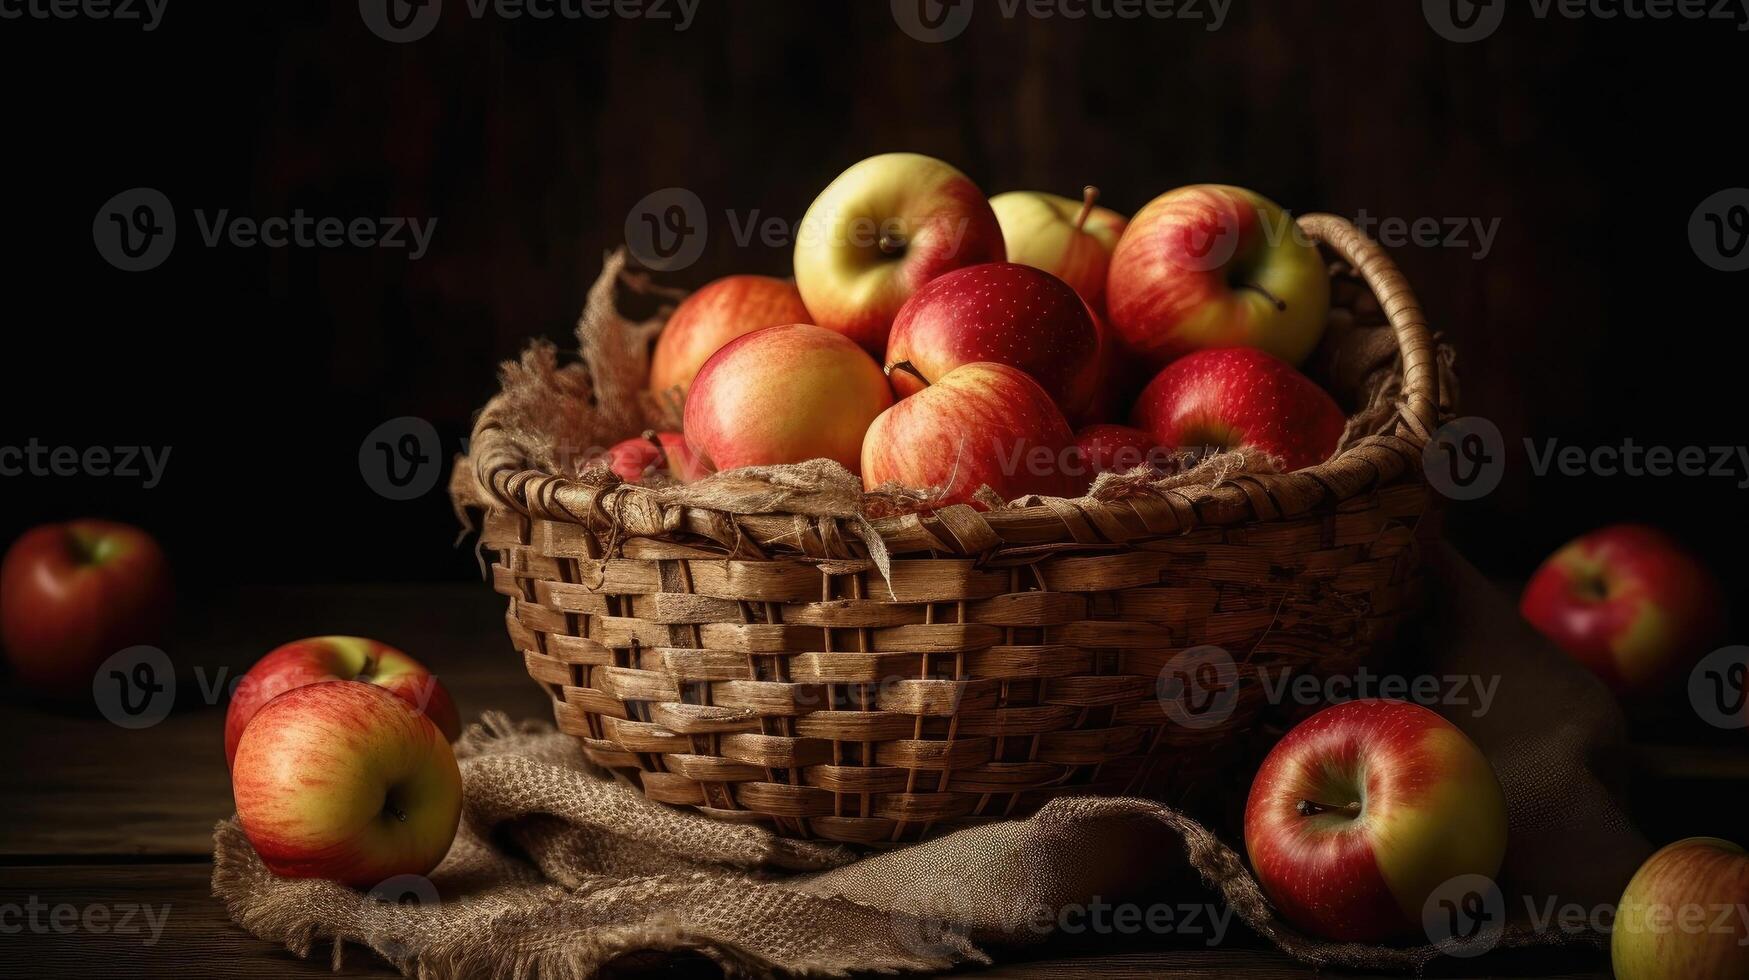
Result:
x=1109 y=448
x=717 y=313
x=1240 y=397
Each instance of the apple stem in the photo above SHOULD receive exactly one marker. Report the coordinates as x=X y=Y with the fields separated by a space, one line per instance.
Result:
x=1310 y=808
x=891 y=243
x=365 y=672
x=397 y=813
x=1279 y=305
x=908 y=368
x=1089 y=194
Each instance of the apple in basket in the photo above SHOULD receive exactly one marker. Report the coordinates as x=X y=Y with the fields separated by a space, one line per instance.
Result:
x=1241 y=397
x=1363 y=811
x=1072 y=240
x=1683 y=916
x=329 y=658
x=1117 y=449
x=784 y=395
x=714 y=315
x=1629 y=603
x=1003 y=312
x=979 y=424
x=345 y=781
x=1216 y=266
x=880 y=231
x=654 y=452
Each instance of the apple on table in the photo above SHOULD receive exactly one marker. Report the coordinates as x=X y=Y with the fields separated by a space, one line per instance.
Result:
x=714 y=315
x=1685 y=915
x=1072 y=240
x=1238 y=397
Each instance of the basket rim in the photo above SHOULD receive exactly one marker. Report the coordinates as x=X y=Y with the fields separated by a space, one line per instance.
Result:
x=1368 y=464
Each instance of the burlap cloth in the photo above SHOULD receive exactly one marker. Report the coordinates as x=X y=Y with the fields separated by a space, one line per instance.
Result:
x=559 y=870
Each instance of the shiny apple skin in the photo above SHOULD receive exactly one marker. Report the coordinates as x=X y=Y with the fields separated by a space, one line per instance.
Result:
x=717 y=313
x=1107 y=448
x=1683 y=916
x=1039 y=230
x=1240 y=396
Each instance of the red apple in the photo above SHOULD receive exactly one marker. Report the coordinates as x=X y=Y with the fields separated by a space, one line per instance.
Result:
x=880 y=231
x=1241 y=397
x=1629 y=603
x=342 y=658
x=73 y=594
x=654 y=452
x=1072 y=240
x=784 y=395
x=345 y=781
x=716 y=314
x=1685 y=915
x=1216 y=266
x=1116 y=449
x=1363 y=810
x=1005 y=313
x=980 y=424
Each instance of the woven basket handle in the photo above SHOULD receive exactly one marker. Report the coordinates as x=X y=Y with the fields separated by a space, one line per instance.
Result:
x=1420 y=397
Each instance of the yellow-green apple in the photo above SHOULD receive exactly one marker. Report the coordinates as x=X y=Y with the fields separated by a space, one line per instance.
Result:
x=982 y=424
x=784 y=395
x=654 y=452
x=1365 y=809
x=880 y=231
x=1629 y=603
x=73 y=594
x=1072 y=240
x=716 y=314
x=1238 y=397
x=344 y=658
x=345 y=781
x=1216 y=266
x=1685 y=915
x=1108 y=448
x=1005 y=313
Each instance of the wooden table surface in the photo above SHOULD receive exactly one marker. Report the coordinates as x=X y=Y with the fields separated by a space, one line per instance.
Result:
x=103 y=822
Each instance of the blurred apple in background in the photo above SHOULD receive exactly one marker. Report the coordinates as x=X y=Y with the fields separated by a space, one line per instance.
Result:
x=1685 y=915
x=784 y=395
x=1072 y=240
x=880 y=231
x=1363 y=810
x=73 y=594
x=1216 y=266
x=980 y=424
x=345 y=781
x=1004 y=313
x=1241 y=397
x=716 y=314
x=1629 y=603
x=651 y=453
x=330 y=658
x=1116 y=449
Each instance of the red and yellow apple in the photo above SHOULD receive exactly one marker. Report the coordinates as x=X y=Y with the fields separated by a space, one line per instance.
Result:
x=784 y=395
x=982 y=424
x=999 y=312
x=654 y=452
x=73 y=594
x=1365 y=809
x=345 y=781
x=1072 y=240
x=1241 y=397
x=880 y=231
x=1116 y=449
x=1216 y=266
x=1629 y=603
x=329 y=658
x=714 y=315
x=1685 y=915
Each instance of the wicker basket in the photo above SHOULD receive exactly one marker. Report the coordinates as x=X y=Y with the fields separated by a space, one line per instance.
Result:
x=758 y=666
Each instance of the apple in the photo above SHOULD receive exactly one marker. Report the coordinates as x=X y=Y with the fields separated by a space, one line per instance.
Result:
x=979 y=424
x=73 y=594
x=784 y=395
x=1241 y=397
x=345 y=781
x=1002 y=312
x=1072 y=240
x=1365 y=809
x=1216 y=266
x=654 y=452
x=1683 y=916
x=1629 y=603
x=880 y=231
x=1116 y=449
x=330 y=658
x=714 y=315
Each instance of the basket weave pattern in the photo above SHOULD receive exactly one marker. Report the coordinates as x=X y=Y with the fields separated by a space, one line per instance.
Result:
x=761 y=666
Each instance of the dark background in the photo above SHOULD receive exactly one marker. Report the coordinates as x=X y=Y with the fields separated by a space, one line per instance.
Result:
x=529 y=141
